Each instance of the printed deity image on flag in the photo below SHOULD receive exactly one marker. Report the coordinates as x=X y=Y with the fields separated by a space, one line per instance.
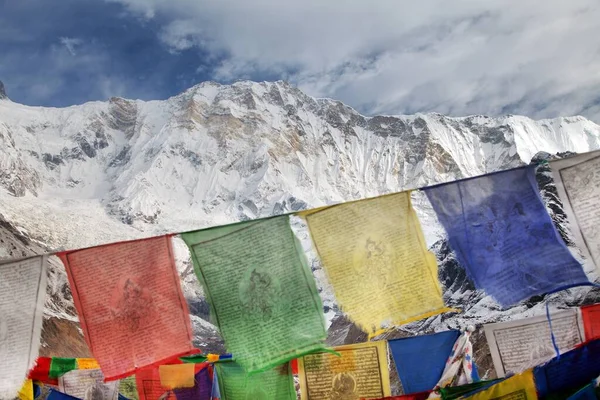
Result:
x=503 y=236
x=262 y=294
x=129 y=299
x=375 y=256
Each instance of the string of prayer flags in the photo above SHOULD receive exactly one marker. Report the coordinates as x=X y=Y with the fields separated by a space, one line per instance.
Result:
x=563 y=375
x=235 y=384
x=503 y=236
x=22 y=296
x=360 y=370
x=202 y=389
x=521 y=387
x=262 y=294
x=420 y=360
x=60 y=366
x=460 y=368
x=88 y=384
x=129 y=299
x=591 y=321
x=41 y=371
x=577 y=181
x=376 y=259
x=176 y=376
x=519 y=345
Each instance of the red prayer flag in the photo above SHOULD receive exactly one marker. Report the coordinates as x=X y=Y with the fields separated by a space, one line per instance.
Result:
x=41 y=371
x=591 y=321
x=130 y=304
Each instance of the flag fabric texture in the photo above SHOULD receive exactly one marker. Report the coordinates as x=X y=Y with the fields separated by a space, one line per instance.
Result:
x=375 y=257
x=87 y=363
x=41 y=371
x=60 y=366
x=591 y=321
x=202 y=389
x=503 y=236
x=460 y=368
x=420 y=360
x=588 y=392
x=129 y=299
x=457 y=392
x=176 y=376
x=262 y=294
x=56 y=395
x=569 y=372
x=26 y=391
x=521 y=387
x=235 y=384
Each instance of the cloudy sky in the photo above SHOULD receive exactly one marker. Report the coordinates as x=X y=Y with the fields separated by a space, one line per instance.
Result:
x=458 y=57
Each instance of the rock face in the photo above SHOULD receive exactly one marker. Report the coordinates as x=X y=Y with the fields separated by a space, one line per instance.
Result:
x=124 y=169
x=3 y=95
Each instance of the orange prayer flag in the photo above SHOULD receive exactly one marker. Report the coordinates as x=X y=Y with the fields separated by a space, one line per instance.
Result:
x=591 y=321
x=130 y=304
x=87 y=363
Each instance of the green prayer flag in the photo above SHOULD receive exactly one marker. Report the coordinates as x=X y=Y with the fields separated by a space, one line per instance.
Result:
x=456 y=392
x=262 y=294
x=60 y=366
x=128 y=388
x=275 y=384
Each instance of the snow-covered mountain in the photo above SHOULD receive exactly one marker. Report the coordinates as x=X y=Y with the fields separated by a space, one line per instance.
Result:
x=122 y=169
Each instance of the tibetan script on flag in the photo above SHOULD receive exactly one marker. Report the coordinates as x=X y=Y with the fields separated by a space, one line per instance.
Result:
x=591 y=321
x=22 y=296
x=376 y=259
x=234 y=384
x=88 y=384
x=503 y=236
x=518 y=345
x=262 y=294
x=361 y=371
x=517 y=387
x=129 y=300
x=577 y=181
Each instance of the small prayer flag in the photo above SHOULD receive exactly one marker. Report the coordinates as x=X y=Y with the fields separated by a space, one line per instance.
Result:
x=588 y=392
x=87 y=363
x=128 y=388
x=571 y=371
x=22 y=296
x=457 y=392
x=149 y=387
x=377 y=261
x=56 y=395
x=420 y=360
x=41 y=371
x=460 y=368
x=129 y=299
x=262 y=294
x=176 y=376
x=235 y=384
x=216 y=393
x=202 y=389
x=503 y=236
x=591 y=321
x=517 y=387
x=60 y=366
x=360 y=370
x=26 y=391
x=88 y=384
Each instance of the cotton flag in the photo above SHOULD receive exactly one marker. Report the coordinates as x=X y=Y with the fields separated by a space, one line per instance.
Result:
x=60 y=366
x=130 y=304
x=420 y=360
x=202 y=389
x=56 y=395
x=503 y=236
x=359 y=371
x=149 y=387
x=41 y=371
x=87 y=363
x=591 y=321
x=176 y=376
x=588 y=392
x=376 y=259
x=22 y=296
x=26 y=391
x=577 y=181
x=88 y=384
x=262 y=294
x=275 y=384
x=517 y=387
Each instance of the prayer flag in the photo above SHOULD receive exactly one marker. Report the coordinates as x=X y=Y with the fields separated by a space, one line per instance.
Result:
x=376 y=259
x=149 y=387
x=202 y=389
x=586 y=393
x=517 y=387
x=176 y=376
x=577 y=181
x=420 y=360
x=26 y=391
x=88 y=384
x=571 y=371
x=262 y=294
x=41 y=371
x=503 y=236
x=457 y=392
x=360 y=370
x=60 y=366
x=87 y=363
x=591 y=321
x=22 y=296
x=128 y=388
x=275 y=384
x=216 y=393
x=56 y=395
x=129 y=299
x=460 y=368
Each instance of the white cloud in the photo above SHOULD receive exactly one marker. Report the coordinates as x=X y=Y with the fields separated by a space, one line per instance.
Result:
x=70 y=44
x=463 y=57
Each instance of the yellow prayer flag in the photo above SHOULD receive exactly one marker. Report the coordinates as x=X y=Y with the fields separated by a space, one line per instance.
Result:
x=518 y=387
x=358 y=371
x=176 y=376
x=375 y=257
x=26 y=391
x=87 y=363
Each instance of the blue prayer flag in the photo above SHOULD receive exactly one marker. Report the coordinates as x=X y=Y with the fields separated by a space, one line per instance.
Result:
x=216 y=393
x=503 y=236
x=570 y=371
x=587 y=393
x=420 y=360
x=56 y=395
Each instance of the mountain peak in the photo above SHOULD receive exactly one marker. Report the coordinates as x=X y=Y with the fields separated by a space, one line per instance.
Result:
x=2 y=92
